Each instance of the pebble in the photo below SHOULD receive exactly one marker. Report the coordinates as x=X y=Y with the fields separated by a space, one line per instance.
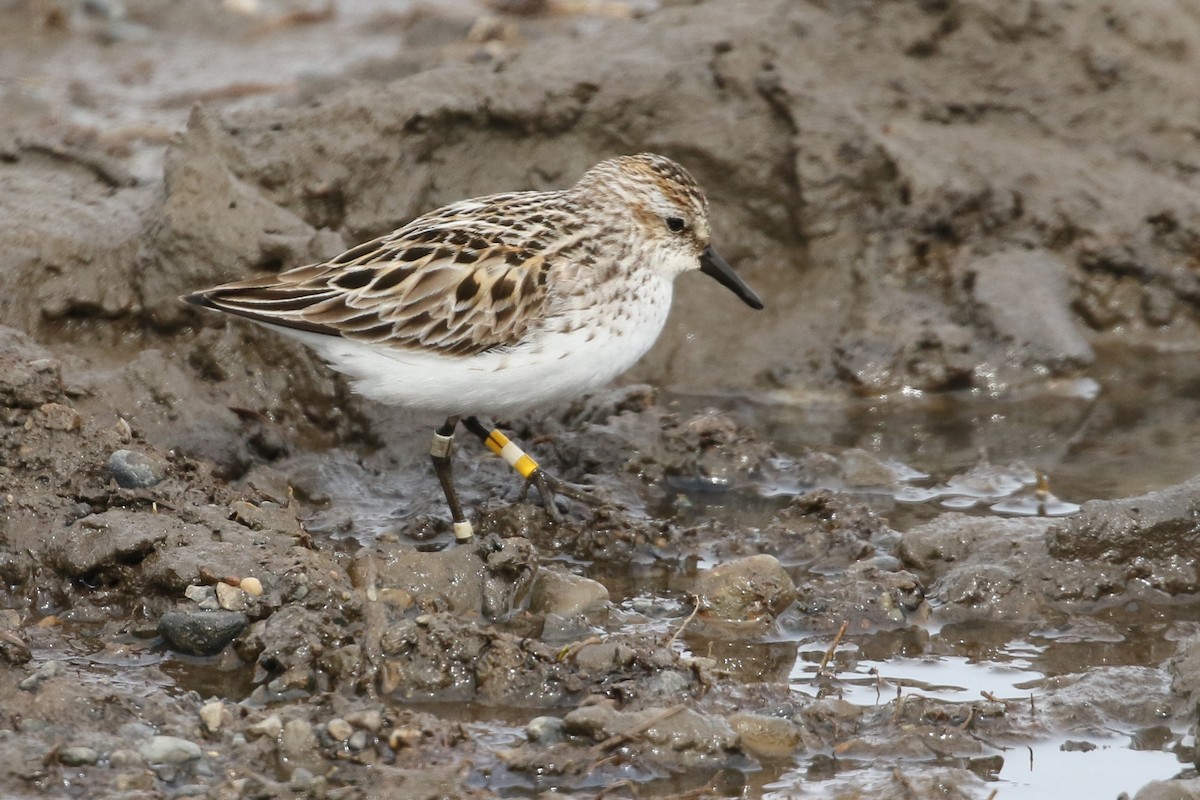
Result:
x=169 y=750
x=270 y=727
x=301 y=781
x=42 y=673
x=558 y=591
x=211 y=715
x=57 y=417
x=339 y=729
x=770 y=737
x=404 y=737
x=135 y=470
x=665 y=683
x=358 y=741
x=397 y=598
x=545 y=730
x=198 y=594
x=752 y=588
x=252 y=586
x=367 y=720
x=201 y=633
x=230 y=598
x=77 y=756
x=298 y=741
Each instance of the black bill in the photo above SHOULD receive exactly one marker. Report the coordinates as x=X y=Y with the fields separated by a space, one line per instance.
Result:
x=714 y=266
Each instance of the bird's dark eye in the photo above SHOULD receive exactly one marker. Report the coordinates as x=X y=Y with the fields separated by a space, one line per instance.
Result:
x=676 y=224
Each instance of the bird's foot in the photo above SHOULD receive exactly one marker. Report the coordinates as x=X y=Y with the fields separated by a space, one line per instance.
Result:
x=550 y=487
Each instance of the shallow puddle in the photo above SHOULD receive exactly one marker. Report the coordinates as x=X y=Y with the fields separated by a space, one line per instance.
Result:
x=1131 y=426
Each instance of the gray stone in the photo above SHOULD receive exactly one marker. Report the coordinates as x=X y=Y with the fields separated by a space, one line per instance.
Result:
x=339 y=729
x=749 y=589
x=545 y=730
x=201 y=633
x=77 y=756
x=371 y=720
x=133 y=470
x=557 y=591
x=665 y=683
x=1188 y=789
x=298 y=740
x=230 y=598
x=770 y=737
x=43 y=673
x=300 y=749
x=270 y=727
x=169 y=750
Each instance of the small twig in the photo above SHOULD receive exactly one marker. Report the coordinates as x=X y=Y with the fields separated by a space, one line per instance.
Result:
x=966 y=722
x=679 y=630
x=570 y=650
x=625 y=784
x=706 y=789
x=833 y=647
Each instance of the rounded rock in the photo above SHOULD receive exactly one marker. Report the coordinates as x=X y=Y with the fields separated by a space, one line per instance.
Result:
x=252 y=586
x=545 y=730
x=298 y=740
x=371 y=720
x=270 y=727
x=339 y=729
x=748 y=589
x=211 y=715
x=230 y=598
x=169 y=750
x=770 y=737
x=558 y=591
x=77 y=756
x=135 y=470
x=201 y=633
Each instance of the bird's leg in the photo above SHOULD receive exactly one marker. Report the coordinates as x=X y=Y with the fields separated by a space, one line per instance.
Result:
x=547 y=485
x=439 y=452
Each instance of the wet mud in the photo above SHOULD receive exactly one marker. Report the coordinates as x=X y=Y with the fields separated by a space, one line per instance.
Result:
x=814 y=574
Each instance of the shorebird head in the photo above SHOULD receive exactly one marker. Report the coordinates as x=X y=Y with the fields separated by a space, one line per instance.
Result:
x=669 y=209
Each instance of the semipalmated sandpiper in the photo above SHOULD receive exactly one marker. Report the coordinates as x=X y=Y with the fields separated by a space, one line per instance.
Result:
x=498 y=304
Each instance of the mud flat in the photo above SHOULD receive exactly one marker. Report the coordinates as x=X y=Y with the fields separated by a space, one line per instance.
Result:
x=223 y=575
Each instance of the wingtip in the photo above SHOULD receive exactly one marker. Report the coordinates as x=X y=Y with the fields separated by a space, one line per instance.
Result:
x=202 y=299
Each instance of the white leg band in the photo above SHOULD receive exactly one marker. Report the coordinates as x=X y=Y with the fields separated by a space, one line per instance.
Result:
x=511 y=454
x=463 y=531
x=440 y=446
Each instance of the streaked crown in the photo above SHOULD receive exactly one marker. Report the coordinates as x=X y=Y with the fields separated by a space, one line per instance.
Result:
x=663 y=196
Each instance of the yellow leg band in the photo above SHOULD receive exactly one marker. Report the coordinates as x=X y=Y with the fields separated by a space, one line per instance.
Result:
x=514 y=456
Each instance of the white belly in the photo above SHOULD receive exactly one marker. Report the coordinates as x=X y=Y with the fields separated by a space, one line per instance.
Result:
x=547 y=368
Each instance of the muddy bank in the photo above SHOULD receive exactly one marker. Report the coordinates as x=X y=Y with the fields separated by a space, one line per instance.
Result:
x=223 y=575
